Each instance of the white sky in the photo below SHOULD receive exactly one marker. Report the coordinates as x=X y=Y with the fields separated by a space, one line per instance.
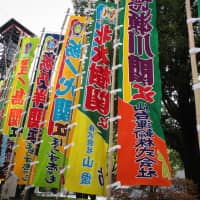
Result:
x=35 y=14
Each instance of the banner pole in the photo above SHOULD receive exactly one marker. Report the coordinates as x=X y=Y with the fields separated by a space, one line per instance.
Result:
x=112 y=101
x=196 y=82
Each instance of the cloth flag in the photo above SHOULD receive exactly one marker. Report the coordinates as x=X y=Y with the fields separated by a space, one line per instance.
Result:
x=58 y=116
x=32 y=123
x=17 y=100
x=87 y=171
x=142 y=159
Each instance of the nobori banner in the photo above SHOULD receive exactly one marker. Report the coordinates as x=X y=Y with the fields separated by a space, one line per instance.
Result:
x=87 y=158
x=142 y=159
x=36 y=106
x=51 y=154
x=20 y=87
x=17 y=99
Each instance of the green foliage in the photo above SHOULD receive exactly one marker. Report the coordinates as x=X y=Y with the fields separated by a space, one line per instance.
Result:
x=179 y=121
x=175 y=160
x=79 y=6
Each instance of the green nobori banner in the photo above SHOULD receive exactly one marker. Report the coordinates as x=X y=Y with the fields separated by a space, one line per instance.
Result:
x=142 y=159
x=95 y=98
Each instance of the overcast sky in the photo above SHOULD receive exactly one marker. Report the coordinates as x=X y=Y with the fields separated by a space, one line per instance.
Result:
x=35 y=14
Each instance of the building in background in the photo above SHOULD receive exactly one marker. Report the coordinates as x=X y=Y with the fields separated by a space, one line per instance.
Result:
x=10 y=33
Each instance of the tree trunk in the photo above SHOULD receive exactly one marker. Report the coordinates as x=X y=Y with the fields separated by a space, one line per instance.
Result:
x=191 y=153
x=191 y=157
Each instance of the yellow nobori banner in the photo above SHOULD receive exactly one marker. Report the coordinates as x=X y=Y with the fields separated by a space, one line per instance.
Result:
x=86 y=173
x=20 y=87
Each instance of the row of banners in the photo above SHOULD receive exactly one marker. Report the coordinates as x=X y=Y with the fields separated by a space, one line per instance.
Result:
x=55 y=125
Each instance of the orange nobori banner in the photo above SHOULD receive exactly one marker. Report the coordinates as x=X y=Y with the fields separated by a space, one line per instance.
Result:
x=141 y=161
